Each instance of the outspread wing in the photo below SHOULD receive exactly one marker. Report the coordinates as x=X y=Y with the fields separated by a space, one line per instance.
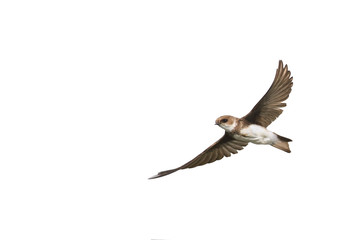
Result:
x=268 y=108
x=223 y=147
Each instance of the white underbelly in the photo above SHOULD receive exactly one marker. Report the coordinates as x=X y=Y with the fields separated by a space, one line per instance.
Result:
x=256 y=134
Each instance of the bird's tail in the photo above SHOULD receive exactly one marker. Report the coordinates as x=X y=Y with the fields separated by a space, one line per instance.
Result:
x=282 y=143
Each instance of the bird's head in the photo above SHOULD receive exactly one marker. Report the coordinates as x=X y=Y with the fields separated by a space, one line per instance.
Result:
x=226 y=122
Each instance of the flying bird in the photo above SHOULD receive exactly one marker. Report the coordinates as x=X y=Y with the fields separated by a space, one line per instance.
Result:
x=250 y=128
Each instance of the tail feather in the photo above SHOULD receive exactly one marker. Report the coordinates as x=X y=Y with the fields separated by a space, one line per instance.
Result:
x=283 y=139
x=282 y=143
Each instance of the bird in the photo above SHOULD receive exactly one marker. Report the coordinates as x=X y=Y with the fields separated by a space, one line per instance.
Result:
x=252 y=128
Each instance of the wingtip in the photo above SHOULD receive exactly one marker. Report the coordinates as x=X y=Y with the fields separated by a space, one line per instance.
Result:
x=153 y=177
x=281 y=64
x=164 y=173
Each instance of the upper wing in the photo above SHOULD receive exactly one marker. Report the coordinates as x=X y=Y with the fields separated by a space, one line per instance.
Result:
x=223 y=147
x=268 y=108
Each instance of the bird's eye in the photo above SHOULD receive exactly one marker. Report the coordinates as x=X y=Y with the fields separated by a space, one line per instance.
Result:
x=223 y=120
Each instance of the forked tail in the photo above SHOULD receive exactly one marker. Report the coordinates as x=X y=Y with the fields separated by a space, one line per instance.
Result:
x=282 y=143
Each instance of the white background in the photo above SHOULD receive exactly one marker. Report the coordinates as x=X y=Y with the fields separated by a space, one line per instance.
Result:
x=97 y=96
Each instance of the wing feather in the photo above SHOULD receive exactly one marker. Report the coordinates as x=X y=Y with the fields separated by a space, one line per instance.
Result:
x=224 y=147
x=268 y=108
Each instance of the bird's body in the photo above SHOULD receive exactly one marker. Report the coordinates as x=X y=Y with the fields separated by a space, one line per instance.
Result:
x=240 y=129
x=252 y=128
x=255 y=134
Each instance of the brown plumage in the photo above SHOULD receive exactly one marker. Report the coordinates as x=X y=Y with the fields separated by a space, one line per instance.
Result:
x=223 y=147
x=268 y=108
x=264 y=112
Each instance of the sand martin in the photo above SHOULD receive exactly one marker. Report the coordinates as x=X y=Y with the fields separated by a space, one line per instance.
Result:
x=250 y=128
